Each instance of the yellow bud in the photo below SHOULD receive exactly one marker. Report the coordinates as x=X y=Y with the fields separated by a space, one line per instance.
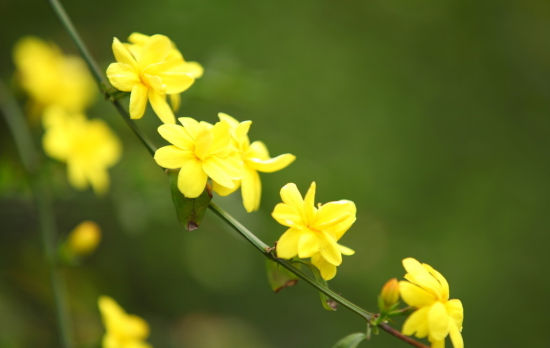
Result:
x=389 y=294
x=84 y=238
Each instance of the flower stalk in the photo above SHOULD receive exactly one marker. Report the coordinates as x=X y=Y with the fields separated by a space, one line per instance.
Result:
x=261 y=246
x=43 y=202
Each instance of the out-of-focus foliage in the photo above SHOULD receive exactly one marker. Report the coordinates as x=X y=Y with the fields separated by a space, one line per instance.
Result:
x=433 y=117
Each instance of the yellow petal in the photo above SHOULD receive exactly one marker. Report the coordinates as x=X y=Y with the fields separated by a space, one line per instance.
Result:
x=172 y=157
x=225 y=191
x=414 y=295
x=438 y=321
x=99 y=180
x=338 y=229
x=287 y=245
x=122 y=54
x=191 y=179
x=122 y=76
x=334 y=212
x=161 y=107
x=233 y=123
x=241 y=135
x=419 y=275
x=444 y=286
x=437 y=343
x=456 y=337
x=138 y=101
x=455 y=311
x=330 y=251
x=309 y=203
x=291 y=196
x=175 y=101
x=221 y=170
x=272 y=164
x=176 y=135
x=287 y=215
x=138 y=38
x=192 y=126
x=155 y=49
x=327 y=270
x=308 y=245
x=258 y=150
x=77 y=175
x=417 y=323
x=345 y=250
x=251 y=189
x=221 y=138
x=194 y=69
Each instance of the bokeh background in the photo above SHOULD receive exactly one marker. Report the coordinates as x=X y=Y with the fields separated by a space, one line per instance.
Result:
x=433 y=116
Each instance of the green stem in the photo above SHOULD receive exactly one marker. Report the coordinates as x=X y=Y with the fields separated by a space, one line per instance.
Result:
x=235 y=224
x=30 y=159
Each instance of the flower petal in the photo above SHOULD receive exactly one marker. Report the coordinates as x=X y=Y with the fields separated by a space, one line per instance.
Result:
x=194 y=69
x=192 y=126
x=225 y=191
x=155 y=50
x=331 y=214
x=138 y=101
x=99 y=180
x=122 y=76
x=192 y=179
x=417 y=323
x=251 y=189
x=272 y=164
x=291 y=196
x=345 y=250
x=415 y=296
x=287 y=245
x=444 y=286
x=438 y=321
x=455 y=311
x=222 y=170
x=176 y=134
x=309 y=203
x=456 y=337
x=287 y=215
x=419 y=275
x=308 y=244
x=122 y=54
x=175 y=101
x=172 y=157
x=258 y=150
x=161 y=107
x=327 y=270
x=330 y=251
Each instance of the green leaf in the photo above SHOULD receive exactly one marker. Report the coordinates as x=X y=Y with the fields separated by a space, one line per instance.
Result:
x=279 y=277
x=351 y=341
x=327 y=303
x=190 y=211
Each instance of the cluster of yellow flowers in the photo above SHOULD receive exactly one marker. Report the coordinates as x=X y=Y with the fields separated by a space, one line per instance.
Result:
x=60 y=88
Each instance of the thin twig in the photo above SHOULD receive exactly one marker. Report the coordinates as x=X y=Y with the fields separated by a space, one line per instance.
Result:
x=234 y=223
x=42 y=197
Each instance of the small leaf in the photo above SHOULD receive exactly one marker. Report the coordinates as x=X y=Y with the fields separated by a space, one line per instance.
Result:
x=279 y=277
x=351 y=341
x=190 y=211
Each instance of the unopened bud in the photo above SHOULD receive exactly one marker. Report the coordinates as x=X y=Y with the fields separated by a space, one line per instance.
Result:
x=389 y=295
x=84 y=238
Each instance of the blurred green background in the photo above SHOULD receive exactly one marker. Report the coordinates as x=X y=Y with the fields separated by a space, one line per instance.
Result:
x=433 y=116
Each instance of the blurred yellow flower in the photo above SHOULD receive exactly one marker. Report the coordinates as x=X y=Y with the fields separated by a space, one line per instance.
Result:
x=51 y=78
x=313 y=232
x=199 y=150
x=88 y=147
x=84 y=238
x=194 y=69
x=436 y=316
x=122 y=330
x=255 y=159
x=150 y=68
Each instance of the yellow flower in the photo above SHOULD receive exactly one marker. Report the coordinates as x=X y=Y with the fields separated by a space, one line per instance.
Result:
x=88 y=147
x=200 y=150
x=122 y=330
x=51 y=78
x=194 y=69
x=84 y=238
x=150 y=69
x=313 y=232
x=436 y=316
x=255 y=159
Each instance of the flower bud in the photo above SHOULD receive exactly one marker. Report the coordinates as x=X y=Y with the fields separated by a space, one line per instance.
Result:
x=389 y=295
x=84 y=238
